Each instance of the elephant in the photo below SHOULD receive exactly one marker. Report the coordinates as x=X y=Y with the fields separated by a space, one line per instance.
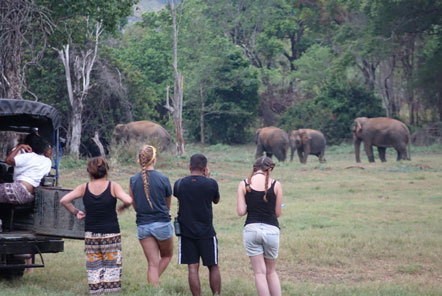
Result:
x=307 y=141
x=271 y=140
x=382 y=132
x=143 y=130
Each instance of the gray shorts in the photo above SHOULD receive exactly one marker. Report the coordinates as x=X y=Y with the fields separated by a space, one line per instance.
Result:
x=159 y=230
x=260 y=238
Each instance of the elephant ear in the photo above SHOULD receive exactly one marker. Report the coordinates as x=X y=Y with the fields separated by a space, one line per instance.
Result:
x=305 y=137
x=358 y=126
x=257 y=135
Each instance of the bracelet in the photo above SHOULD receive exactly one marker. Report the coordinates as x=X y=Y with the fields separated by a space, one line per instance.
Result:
x=76 y=211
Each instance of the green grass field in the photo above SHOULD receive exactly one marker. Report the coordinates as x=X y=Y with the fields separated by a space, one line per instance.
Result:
x=346 y=229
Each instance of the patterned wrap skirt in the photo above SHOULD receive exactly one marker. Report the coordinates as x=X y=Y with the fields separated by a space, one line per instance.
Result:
x=103 y=262
x=15 y=193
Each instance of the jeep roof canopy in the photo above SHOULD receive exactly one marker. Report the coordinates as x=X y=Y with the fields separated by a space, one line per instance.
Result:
x=23 y=115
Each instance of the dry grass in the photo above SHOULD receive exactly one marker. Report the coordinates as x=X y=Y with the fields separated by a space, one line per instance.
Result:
x=346 y=229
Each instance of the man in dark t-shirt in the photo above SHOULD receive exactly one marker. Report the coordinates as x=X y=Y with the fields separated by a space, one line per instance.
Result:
x=195 y=194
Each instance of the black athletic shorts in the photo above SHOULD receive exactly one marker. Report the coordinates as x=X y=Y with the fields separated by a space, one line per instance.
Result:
x=190 y=250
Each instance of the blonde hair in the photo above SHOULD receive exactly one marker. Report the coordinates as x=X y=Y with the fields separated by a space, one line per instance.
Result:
x=264 y=164
x=146 y=157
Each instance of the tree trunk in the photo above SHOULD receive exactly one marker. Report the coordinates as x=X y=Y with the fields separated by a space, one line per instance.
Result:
x=24 y=28
x=386 y=86
x=202 y=115
x=368 y=69
x=177 y=108
x=407 y=60
x=75 y=133
x=78 y=87
x=97 y=142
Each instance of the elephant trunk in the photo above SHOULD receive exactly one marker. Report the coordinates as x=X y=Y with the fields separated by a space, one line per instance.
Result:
x=292 y=151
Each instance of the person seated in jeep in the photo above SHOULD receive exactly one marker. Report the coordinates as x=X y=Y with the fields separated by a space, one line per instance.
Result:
x=31 y=162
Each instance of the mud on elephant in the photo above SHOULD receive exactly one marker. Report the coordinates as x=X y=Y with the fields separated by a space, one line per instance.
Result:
x=142 y=131
x=381 y=132
x=271 y=140
x=305 y=142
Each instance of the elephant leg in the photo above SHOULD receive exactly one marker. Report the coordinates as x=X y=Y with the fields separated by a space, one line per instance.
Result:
x=401 y=153
x=306 y=154
x=357 y=145
x=269 y=154
x=369 y=151
x=321 y=157
x=259 y=151
x=381 y=151
x=300 y=155
x=292 y=152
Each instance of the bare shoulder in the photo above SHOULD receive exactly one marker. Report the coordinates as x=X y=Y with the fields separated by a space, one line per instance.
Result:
x=116 y=185
x=277 y=184
x=242 y=185
x=81 y=188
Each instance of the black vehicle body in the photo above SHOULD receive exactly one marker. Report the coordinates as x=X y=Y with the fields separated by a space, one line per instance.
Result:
x=38 y=227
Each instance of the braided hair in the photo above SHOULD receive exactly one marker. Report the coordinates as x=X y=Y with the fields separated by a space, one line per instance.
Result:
x=264 y=164
x=146 y=157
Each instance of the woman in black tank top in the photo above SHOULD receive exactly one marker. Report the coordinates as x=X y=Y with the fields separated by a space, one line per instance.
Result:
x=102 y=232
x=260 y=197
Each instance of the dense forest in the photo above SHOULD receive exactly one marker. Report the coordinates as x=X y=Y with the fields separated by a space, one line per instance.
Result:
x=238 y=64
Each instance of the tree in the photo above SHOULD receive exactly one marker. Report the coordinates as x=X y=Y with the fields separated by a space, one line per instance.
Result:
x=24 y=29
x=333 y=111
x=78 y=87
x=177 y=101
x=429 y=67
x=68 y=42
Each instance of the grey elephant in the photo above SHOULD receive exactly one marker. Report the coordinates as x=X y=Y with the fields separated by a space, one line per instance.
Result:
x=271 y=140
x=381 y=132
x=142 y=131
x=307 y=141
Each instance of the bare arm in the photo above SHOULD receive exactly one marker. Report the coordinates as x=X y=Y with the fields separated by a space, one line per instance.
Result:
x=241 y=207
x=216 y=200
x=66 y=201
x=278 y=192
x=10 y=158
x=169 y=201
x=122 y=195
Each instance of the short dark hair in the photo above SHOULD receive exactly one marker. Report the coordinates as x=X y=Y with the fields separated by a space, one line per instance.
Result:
x=97 y=167
x=37 y=143
x=198 y=162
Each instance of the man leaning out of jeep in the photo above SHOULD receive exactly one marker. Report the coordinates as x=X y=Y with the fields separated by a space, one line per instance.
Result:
x=31 y=163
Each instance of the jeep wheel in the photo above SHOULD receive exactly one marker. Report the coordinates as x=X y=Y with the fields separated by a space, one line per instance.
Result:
x=12 y=273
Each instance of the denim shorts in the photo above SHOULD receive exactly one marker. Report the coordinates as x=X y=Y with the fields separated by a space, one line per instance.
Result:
x=260 y=238
x=159 y=230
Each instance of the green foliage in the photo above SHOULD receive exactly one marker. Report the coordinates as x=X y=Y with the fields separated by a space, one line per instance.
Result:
x=144 y=55
x=333 y=111
x=305 y=57
x=233 y=102
x=313 y=68
x=429 y=68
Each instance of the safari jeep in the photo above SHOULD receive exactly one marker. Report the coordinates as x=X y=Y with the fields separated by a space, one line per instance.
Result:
x=28 y=231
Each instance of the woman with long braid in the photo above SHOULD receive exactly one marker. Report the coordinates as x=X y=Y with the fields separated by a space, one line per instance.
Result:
x=152 y=193
x=260 y=197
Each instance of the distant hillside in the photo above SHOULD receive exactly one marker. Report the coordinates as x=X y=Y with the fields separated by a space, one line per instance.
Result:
x=149 y=5
x=145 y=5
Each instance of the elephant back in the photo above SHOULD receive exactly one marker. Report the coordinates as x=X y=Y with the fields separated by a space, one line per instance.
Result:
x=143 y=131
x=271 y=135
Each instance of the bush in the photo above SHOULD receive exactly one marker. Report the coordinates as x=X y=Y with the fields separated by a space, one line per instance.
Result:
x=333 y=111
